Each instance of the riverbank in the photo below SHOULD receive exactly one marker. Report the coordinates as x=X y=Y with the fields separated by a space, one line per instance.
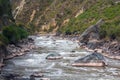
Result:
x=36 y=62
x=18 y=49
x=107 y=48
x=110 y=49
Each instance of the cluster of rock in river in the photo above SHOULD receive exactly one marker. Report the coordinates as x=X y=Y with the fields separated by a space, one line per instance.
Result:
x=94 y=60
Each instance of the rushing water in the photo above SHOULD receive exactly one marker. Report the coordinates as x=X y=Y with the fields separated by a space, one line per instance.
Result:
x=61 y=69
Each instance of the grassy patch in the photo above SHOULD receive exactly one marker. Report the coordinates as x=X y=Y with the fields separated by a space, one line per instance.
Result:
x=105 y=9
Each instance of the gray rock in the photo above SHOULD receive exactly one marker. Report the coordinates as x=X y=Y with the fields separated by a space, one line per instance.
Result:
x=91 y=32
x=94 y=57
x=54 y=56
x=92 y=44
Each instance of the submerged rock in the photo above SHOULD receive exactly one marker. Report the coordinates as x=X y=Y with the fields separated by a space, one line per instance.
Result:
x=54 y=56
x=94 y=59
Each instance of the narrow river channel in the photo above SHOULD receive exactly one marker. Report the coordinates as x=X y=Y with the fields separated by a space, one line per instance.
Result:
x=35 y=61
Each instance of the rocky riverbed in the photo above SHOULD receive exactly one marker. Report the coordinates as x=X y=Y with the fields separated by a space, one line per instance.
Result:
x=18 y=49
x=36 y=64
x=22 y=47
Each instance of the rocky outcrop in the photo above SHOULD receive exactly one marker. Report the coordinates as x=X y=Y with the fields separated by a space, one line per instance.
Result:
x=90 y=39
x=95 y=59
x=91 y=33
x=111 y=49
x=20 y=48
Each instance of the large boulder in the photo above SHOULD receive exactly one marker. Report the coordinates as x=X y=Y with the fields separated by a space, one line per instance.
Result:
x=94 y=59
x=54 y=56
x=91 y=32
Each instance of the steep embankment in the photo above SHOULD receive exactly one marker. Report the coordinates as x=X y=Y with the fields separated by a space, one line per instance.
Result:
x=47 y=15
x=5 y=20
x=108 y=10
x=103 y=36
x=29 y=12
x=10 y=33
x=68 y=16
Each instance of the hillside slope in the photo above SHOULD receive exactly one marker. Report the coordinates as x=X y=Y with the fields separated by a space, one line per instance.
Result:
x=47 y=13
x=69 y=16
x=108 y=10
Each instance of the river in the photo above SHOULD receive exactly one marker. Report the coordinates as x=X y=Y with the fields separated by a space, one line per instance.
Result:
x=61 y=69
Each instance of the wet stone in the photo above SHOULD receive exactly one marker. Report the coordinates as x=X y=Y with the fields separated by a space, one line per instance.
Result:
x=94 y=59
x=54 y=56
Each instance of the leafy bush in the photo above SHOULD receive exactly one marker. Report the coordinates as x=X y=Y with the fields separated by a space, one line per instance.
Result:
x=14 y=33
x=22 y=32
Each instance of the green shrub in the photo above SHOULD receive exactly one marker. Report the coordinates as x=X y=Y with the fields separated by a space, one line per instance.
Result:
x=14 y=33
x=22 y=32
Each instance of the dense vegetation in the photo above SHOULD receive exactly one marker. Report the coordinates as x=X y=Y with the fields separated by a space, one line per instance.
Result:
x=107 y=10
x=14 y=33
x=9 y=31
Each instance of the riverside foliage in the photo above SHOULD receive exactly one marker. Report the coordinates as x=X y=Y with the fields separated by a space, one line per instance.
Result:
x=14 y=33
